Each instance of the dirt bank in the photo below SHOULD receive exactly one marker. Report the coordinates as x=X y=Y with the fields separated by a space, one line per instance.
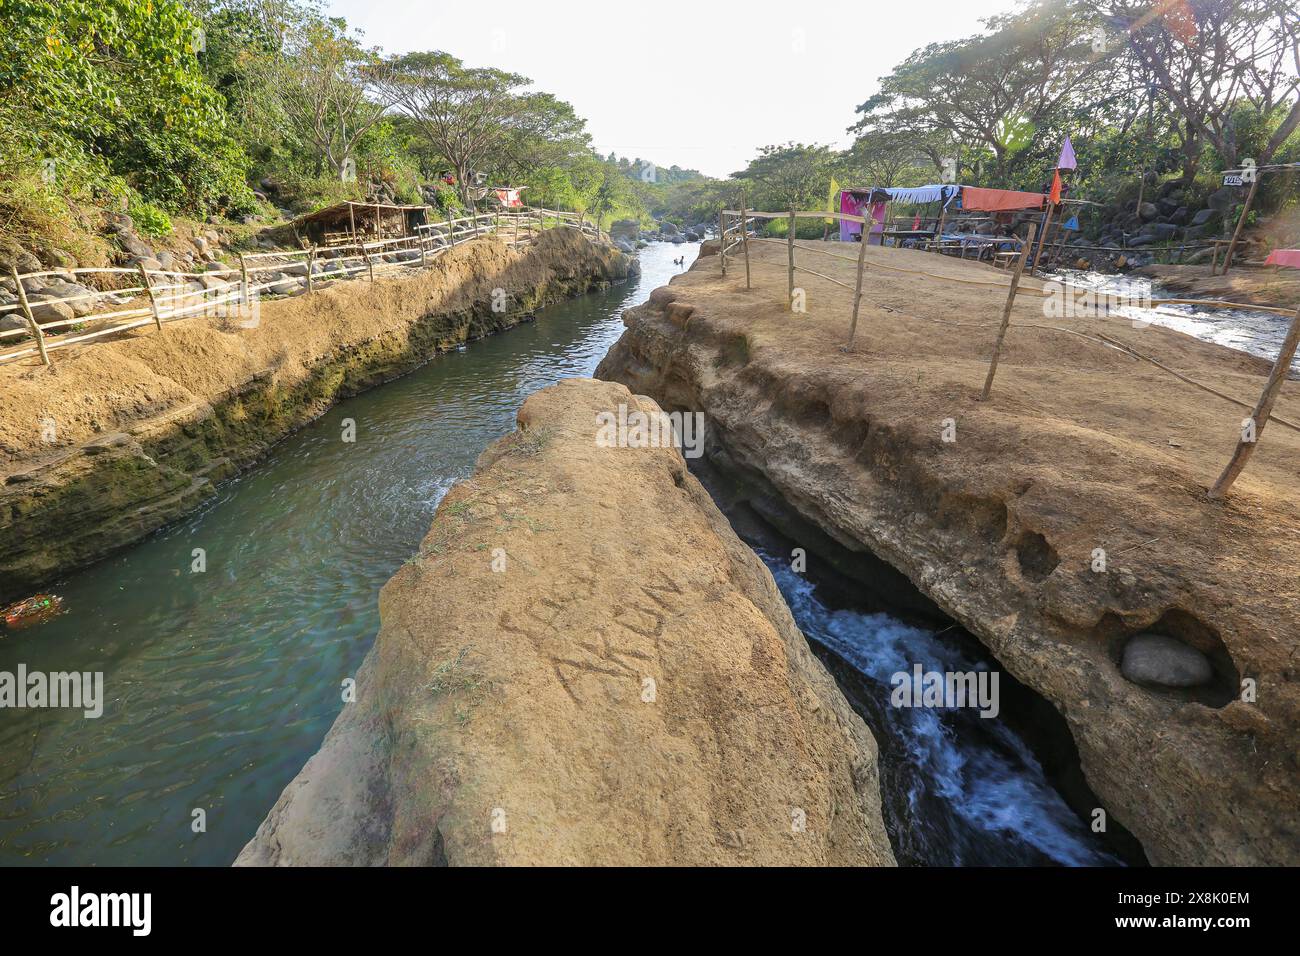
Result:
x=1080 y=448
x=1277 y=287
x=584 y=665
x=118 y=437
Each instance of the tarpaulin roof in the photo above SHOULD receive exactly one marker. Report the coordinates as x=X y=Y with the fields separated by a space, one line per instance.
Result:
x=912 y=195
x=999 y=200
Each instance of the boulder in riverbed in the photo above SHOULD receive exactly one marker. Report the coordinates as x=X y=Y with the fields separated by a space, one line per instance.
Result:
x=584 y=665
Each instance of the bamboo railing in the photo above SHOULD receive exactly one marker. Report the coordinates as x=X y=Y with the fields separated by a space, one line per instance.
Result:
x=167 y=295
x=733 y=235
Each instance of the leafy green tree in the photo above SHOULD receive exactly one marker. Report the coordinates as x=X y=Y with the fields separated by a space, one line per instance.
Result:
x=790 y=175
x=331 y=91
x=467 y=114
x=119 y=82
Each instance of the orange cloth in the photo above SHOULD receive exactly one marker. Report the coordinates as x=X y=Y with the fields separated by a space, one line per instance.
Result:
x=1055 y=196
x=995 y=200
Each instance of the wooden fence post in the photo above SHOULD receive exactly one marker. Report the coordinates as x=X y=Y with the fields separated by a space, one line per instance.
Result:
x=311 y=264
x=1263 y=409
x=1241 y=222
x=370 y=262
x=722 y=239
x=1038 y=253
x=153 y=299
x=789 y=245
x=857 y=291
x=1006 y=311
x=31 y=319
x=744 y=239
x=243 y=280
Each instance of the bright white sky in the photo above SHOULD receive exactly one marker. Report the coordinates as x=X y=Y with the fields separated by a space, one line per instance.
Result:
x=645 y=73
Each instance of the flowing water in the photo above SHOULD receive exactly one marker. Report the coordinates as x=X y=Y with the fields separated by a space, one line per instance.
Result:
x=958 y=788
x=1258 y=333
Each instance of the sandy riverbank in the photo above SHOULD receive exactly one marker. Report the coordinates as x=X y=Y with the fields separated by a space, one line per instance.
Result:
x=120 y=436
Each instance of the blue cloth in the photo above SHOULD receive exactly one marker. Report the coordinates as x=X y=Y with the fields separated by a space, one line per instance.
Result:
x=1072 y=225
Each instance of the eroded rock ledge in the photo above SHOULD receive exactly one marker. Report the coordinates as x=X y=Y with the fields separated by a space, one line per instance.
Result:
x=1078 y=450
x=626 y=687
x=119 y=437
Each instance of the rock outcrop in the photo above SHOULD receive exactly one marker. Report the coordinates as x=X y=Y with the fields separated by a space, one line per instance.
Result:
x=1055 y=521
x=119 y=436
x=584 y=665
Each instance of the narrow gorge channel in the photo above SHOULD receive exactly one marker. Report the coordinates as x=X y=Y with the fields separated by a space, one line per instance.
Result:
x=957 y=788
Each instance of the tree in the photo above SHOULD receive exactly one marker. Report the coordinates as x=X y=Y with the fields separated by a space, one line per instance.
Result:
x=1209 y=56
x=610 y=193
x=331 y=92
x=467 y=114
x=790 y=175
x=118 y=86
x=992 y=91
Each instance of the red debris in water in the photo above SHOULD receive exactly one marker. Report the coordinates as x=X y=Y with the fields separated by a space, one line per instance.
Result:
x=33 y=610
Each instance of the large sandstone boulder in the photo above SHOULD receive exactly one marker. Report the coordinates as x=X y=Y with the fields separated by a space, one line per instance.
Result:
x=584 y=665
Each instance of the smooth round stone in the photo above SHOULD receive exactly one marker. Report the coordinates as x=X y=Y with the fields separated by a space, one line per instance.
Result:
x=1161 y=661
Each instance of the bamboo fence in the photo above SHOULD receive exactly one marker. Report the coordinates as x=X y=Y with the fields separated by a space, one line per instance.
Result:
x=155 y=296
x=733 y=235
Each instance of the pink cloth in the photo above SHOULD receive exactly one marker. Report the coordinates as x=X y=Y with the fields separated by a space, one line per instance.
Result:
x=851 y=205
x=1284 y=257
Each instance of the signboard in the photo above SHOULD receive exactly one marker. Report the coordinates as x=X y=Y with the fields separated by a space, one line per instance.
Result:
x=1232 y=179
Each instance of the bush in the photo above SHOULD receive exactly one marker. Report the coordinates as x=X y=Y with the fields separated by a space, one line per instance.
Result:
x=150 y=220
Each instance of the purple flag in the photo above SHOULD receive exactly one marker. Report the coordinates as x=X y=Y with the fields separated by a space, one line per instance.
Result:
x=1067 y=160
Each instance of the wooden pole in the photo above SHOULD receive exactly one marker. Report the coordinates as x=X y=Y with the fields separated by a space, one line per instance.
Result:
x=744 y=239
x=1142 y=185
x=1241 y=222
x=352 y=218
x=31 y=319
x=1047 y=223
x=857 y=293
x=243 y=280
x=1263 y=409
x=722 y=239
x=1006 y=310
x=1214 y=259
x=153 y=299
x=450 y=230
x=311 y=264
x=789 y=245
x=370 y=262
x=938 y=233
